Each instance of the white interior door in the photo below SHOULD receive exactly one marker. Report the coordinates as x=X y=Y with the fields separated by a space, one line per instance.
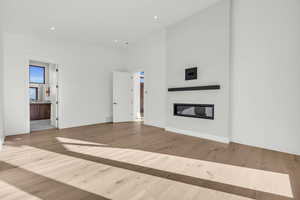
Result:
x=53 y=73
x=122 y=97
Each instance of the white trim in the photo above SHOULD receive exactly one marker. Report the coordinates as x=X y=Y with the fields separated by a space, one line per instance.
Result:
x=1 y=142
x=272 y=148
x=153 y=124
x=198 y=134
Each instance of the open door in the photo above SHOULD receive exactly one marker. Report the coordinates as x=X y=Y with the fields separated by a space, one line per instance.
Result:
x=53 y=72
x=122 y=93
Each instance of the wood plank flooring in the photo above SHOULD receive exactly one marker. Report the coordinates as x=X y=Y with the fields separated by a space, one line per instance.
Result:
x=137 y=162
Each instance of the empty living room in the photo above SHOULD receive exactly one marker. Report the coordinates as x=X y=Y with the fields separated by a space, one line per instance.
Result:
x=149 y=100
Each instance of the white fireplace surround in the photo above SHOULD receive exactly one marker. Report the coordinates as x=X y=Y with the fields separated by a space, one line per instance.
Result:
x=202 y=40
x=216 y=129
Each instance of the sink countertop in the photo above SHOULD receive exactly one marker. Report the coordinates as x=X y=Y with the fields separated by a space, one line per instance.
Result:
x=40 y=102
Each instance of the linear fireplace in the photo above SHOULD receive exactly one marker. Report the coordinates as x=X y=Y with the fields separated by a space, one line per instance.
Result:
x=205 y=111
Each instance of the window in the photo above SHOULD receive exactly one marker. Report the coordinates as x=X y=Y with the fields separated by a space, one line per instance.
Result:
x=142 y=77
x=33 y=93
x=37 y=74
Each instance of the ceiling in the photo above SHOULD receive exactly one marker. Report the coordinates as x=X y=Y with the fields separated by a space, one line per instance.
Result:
x=96 y=21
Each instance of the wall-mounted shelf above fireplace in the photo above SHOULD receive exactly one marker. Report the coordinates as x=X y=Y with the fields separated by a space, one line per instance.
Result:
x=203 y=87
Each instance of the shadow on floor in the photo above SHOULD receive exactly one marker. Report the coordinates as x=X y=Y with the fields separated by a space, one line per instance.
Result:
x=40 y=186
x=158 y=141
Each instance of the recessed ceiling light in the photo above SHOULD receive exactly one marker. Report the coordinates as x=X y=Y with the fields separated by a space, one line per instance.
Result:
x=52 y=28
x=116 y=41
x=155 y=17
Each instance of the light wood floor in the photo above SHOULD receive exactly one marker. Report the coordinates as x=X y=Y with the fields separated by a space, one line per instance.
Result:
x=138 y=162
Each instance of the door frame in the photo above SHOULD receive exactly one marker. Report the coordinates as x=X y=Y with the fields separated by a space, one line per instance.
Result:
x=58 y=113
x=133 y=72
x=134 y=95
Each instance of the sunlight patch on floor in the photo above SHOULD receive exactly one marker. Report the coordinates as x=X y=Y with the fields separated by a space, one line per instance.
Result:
x=107 y=181
x=260 y=180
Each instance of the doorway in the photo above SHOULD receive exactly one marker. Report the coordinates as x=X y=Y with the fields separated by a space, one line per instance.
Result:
x=128 y=96
x=138 y=96
x=43 y=95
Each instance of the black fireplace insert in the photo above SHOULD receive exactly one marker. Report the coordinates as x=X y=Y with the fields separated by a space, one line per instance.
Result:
x=204 y=111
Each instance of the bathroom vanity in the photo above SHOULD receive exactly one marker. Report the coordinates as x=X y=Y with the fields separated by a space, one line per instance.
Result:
x=40 y=110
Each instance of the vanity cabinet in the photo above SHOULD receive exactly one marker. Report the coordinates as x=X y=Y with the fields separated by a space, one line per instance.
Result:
x=40 y=111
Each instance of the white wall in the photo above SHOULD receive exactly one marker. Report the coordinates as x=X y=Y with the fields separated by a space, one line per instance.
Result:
x=85 y=80
x=1 y=79
x=148 y=55
x=202 y=40
x=266 y=74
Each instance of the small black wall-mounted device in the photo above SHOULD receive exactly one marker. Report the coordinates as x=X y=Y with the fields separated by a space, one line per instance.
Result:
x=191 y=73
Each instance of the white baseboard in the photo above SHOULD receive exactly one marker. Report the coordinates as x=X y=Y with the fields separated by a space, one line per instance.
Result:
x=200 y=135
x=75 y=125
x=272 y=148
x=153 y=124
